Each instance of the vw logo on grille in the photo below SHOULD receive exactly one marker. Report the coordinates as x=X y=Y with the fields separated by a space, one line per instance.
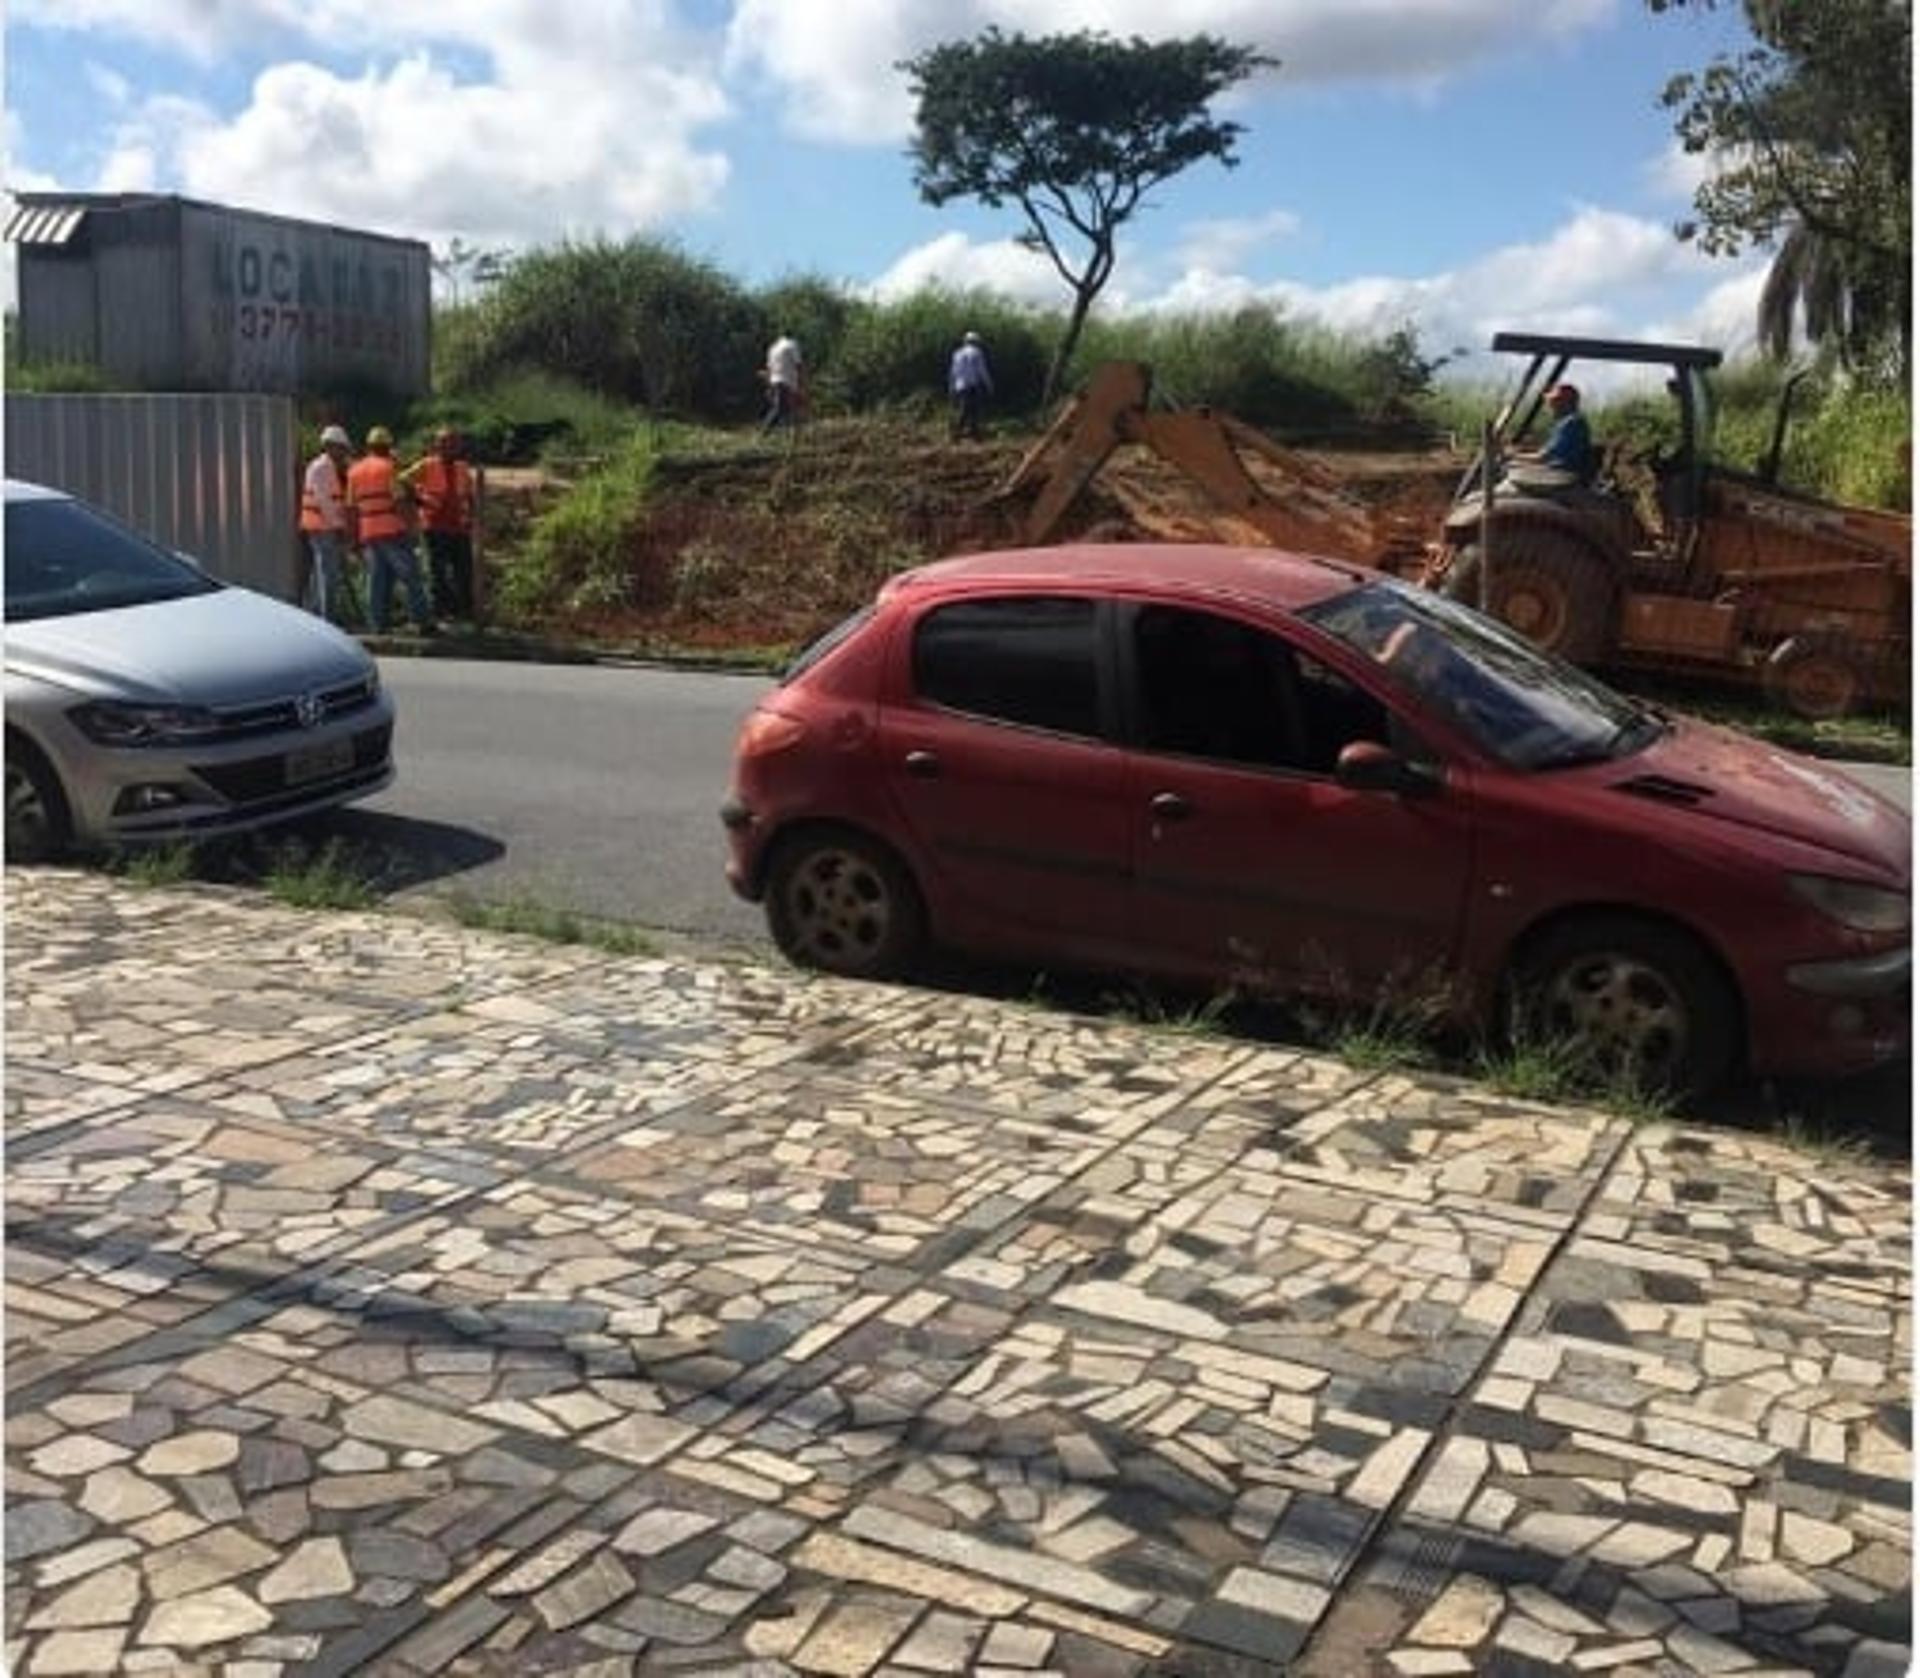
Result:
x=309 y=710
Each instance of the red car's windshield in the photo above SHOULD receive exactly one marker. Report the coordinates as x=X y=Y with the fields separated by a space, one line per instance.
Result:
x=1525 y=707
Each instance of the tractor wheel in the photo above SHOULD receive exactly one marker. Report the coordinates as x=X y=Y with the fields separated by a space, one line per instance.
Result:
x=1818 y=677
x=1553 y=591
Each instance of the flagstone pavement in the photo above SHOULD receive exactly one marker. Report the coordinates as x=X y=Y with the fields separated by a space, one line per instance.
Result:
x=387 y=1297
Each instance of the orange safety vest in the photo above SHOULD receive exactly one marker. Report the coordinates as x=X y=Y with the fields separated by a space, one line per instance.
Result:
x=312 y=519
x=445 y=489
x=370 y=494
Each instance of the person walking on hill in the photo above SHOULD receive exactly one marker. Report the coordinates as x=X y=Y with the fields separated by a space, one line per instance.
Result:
x=784 y=390
x=442 y=485
x=323 y=525
x=970 y=383
x=380 y=526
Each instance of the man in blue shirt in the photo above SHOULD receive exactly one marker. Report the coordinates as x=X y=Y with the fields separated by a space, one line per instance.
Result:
x=1569 y=444
x=970 y=384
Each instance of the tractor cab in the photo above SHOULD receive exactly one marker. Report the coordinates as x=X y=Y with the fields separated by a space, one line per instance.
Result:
x=1662 y=558
x=1642 y=503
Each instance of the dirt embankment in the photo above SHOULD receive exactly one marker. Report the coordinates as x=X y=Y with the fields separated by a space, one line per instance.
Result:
x=770 y=543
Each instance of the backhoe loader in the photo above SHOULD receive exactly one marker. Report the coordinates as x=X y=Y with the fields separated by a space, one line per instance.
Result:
x=1667 y=561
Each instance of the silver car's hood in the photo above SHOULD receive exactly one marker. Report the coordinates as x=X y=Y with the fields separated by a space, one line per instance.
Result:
x=229 y=647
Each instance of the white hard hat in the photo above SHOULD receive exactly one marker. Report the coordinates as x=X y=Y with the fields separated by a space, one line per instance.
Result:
x=970 y=338
x=335 y=436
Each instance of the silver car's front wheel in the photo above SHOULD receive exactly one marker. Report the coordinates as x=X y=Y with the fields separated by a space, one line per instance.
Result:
x=37 y=828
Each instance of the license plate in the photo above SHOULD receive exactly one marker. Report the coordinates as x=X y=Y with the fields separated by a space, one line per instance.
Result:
x=316 y=763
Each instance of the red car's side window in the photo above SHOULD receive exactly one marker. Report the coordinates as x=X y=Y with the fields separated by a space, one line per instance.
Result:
x=1032 y=660
x=1213 y=687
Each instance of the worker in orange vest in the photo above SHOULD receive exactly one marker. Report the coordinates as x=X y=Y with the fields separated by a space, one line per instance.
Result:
x=323 y=525
x=381 y=528
x=442 y=485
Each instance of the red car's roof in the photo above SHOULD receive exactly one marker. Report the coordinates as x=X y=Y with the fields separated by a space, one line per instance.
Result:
x=1287 y=580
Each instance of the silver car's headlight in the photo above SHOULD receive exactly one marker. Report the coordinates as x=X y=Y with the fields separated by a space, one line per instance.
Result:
x=1853 y=903
x=109 y=723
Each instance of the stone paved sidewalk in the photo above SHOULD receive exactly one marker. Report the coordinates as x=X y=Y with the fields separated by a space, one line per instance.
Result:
x=383 y=1297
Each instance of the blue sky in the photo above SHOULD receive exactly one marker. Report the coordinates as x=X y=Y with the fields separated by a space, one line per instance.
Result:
x=1464 y=164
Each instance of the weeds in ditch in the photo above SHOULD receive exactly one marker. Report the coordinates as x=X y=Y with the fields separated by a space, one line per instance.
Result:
x=532 y=919
x=1827 y=1144
x=1531 y=1068
x=1140 y=1006
x=334 y=877
x=156 y=865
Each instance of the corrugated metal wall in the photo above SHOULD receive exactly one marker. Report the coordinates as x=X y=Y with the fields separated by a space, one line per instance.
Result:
x=214 y=476
x=138 y=316
x=59 y=313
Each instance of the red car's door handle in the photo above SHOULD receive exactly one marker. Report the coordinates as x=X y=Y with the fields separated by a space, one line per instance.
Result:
x=1170 y=807
x=923 y=764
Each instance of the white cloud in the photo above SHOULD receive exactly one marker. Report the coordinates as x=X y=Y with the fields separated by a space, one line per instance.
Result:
x=953 y=262
x=585 y=117
x=1219 y=244
x=833 y=62
x=1724 y=316
x=198 y=28
x=1600 y=273
x=19 y=178
x=1677 y=174
x=113 y=88
x=129 y=168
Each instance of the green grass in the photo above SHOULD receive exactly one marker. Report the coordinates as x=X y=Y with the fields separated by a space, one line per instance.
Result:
x=1140 y=1006
x=334 y=877
x=1826 y=1143
x=1548 y=1071
x=1380 y=1046
x=56 y=377
x=155 y=865
x=1874 y=737
x=532 y=919
x=579 y=553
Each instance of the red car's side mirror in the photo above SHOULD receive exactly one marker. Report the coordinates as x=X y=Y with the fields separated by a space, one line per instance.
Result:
x=1368 y=766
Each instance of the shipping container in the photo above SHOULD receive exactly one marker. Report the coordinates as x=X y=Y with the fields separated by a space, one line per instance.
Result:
x=167 y=293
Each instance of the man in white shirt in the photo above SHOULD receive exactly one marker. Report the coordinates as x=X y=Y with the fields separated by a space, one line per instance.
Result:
x=323 y=524
x=783 y=383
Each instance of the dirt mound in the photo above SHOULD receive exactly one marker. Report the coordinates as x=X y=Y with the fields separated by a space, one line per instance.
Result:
x=770 y=541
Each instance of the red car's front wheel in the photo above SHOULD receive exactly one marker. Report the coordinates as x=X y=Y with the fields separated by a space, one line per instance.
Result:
x=1633 y=999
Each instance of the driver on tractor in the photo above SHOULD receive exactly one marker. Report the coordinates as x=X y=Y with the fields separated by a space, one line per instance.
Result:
x=1569 y=445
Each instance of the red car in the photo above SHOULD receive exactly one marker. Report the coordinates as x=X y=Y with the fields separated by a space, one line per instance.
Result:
x=1290 y=775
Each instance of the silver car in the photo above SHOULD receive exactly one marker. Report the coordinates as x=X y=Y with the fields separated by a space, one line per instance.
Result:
x=145 y=701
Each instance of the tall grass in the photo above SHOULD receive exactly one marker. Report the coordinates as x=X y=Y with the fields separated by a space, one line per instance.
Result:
x=640 y=321
x=579 y=334
x=579 y=552
x=526 y=413
x=56 y=376
x=896 y=354
x=1845 y=441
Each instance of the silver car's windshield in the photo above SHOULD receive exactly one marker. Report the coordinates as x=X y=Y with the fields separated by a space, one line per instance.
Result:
x=65 y=557
x=1525 y=707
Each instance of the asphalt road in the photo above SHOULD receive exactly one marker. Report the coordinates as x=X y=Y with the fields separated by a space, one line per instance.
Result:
x=1894 y=781
x=588 y=788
